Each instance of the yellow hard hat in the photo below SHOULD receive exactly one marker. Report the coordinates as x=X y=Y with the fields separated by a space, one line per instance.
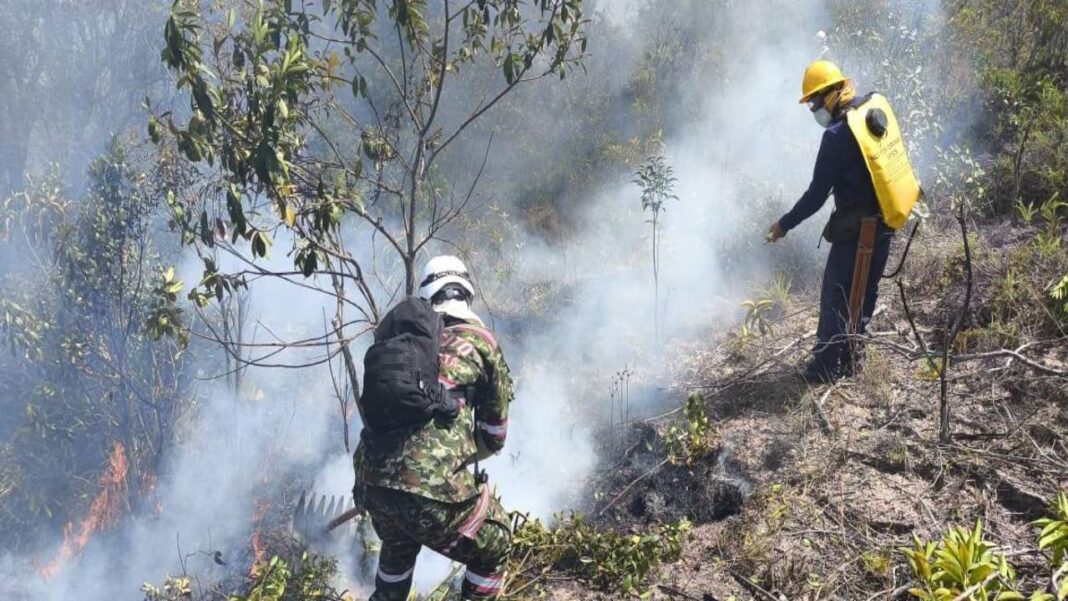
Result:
x=819 y=76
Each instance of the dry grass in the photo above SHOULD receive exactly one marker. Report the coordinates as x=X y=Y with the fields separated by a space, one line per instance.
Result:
x=843 y=476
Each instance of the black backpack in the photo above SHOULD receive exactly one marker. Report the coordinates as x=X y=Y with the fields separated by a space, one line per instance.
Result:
x=400 y=379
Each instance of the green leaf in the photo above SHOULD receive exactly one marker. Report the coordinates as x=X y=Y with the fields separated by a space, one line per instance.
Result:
x=311 y=262
x=259 y=247
x=153 y=130
x=1049 y=540
x=509 y=73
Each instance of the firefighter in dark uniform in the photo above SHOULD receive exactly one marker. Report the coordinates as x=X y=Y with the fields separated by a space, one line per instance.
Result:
x=851 y=151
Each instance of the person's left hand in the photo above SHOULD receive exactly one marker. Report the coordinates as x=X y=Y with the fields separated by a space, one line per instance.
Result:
x=775 y=232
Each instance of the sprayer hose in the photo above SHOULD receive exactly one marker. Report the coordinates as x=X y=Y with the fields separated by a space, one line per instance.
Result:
x=905 y=254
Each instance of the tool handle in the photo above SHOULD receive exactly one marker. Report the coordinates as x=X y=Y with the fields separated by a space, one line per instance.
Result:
x=341 y=519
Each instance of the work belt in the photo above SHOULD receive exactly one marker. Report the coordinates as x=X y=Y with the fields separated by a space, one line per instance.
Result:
x=861 y=270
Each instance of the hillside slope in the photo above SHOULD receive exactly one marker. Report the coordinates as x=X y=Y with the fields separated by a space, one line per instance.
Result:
x=838 y=477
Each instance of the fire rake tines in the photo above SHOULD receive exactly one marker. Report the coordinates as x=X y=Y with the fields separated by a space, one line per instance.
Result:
x=320 y=522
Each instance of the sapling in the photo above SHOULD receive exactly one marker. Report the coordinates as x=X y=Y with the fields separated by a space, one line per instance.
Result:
x=657 y=181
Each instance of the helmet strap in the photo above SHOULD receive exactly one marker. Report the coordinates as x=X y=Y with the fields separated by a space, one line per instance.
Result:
x=451 y=292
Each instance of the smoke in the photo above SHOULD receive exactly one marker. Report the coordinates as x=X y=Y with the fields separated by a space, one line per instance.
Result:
x=742 y=153
x=241 y=453
x=742 y=150
x=206 y=501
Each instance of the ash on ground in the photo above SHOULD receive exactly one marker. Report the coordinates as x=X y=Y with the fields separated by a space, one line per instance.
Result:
x=643 y=488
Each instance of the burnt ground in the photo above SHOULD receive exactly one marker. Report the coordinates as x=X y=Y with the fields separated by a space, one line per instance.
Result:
x=812 y=490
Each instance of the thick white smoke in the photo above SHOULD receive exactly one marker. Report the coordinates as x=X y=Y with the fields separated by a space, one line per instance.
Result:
x=232 y=460
x=740 y=165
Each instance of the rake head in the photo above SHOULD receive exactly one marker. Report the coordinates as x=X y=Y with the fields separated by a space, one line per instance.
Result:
x=321 y=521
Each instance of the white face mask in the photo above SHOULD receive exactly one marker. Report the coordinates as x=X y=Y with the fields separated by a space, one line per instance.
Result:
x=823 y=117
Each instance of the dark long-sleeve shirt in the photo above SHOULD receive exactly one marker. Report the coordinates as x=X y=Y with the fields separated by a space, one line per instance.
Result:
x=840 y=169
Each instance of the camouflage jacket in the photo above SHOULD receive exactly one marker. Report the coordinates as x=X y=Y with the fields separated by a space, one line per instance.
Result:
x=432 y=461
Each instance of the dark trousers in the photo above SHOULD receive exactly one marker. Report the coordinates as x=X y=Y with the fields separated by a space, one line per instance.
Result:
x=406 y=522
x=832 y=353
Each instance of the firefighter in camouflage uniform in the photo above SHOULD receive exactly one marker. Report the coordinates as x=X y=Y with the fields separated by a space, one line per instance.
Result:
x=420 y=490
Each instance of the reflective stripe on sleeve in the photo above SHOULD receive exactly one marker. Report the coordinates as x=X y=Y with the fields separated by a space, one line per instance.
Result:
x=498 y=431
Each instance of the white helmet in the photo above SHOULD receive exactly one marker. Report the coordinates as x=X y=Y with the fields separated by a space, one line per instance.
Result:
x=442 y=271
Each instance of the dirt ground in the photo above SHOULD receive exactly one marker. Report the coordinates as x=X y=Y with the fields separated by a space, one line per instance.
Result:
x=813 y=490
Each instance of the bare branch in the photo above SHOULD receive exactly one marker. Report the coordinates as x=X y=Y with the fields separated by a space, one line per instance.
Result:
x=441 y=75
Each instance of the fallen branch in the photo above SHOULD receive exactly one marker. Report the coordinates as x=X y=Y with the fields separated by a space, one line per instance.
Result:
x=911 y=354
x=1035 y=462
x=1014 y=355
x=894 y=592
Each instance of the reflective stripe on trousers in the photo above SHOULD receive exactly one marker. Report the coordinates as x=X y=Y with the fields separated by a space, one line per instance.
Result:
x=477 y=586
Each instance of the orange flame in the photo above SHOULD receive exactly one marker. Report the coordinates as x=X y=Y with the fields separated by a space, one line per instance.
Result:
x=103 y=513
x=259 y=549
x=259 y=553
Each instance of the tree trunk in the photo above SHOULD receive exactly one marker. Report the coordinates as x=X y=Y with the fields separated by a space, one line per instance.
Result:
x=418 y=174
x=15 y=156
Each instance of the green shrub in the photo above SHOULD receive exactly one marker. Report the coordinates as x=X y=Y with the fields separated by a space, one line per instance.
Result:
x=963 y=565
x=271 y=580
x=608 y=560
x=1059 y=293
x=1053 y=537
x=691 y=442
x=962 y=561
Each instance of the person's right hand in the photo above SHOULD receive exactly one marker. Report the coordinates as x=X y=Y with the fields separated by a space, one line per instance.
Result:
x=775 y=232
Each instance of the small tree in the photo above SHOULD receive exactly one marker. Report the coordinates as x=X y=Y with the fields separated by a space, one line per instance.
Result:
x=328 y=122
x=84 y=369
x=657 y=181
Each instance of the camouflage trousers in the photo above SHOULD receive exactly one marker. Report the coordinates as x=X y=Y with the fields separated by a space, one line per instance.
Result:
x=475 y=533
